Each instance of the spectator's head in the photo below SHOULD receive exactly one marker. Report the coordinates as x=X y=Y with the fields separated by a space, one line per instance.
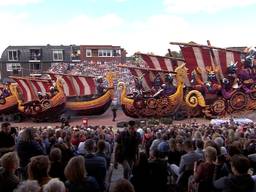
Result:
x=188 y=145
x=101 y=146
x=55 y=155
x=6 y=127
x=172 y=144
x=233 y=150
x=75 y=169
x=54 y=185
x=38 y=168
x=199 y=144
x=28 y=135
x=197 y=135
x=210 y=154
x=240 y=165
x=219 y=141
x=131 y=126
x=10 y=161
x=90 y=145
x=122 y=185
x=28 y=186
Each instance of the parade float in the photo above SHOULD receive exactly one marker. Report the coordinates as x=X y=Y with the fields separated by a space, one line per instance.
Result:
x=39 y=99
x=225 y=78
x=85 y=95
x=150 y=99
x=8 y=102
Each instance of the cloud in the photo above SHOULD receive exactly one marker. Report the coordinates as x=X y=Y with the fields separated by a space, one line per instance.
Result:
x=150 y=35
x=17 y=2
x=208 y=6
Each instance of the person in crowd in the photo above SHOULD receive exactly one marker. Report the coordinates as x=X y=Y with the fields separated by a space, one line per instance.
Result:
x=57 y=167
x=77 y=179
x=28 y=147
x=173 y=155
x=122 y=185
x=54 y=185
x=128 y=142
x=158 y=172
x=9 y=165
x=101 y=147
x=38 y=169
x=187 y=161
x=148 y=138
x=203 y=172
x=65 y=145
x=199 y=147
x=156 y=142
x=240 y=180
x=7 y=142
x=28 y=186
x=96 y=166
x=141 y=174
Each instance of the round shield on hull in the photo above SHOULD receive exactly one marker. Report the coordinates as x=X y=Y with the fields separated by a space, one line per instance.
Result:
x=238 y=101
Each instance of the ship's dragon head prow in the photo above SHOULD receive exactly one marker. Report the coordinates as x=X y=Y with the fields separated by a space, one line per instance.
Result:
x=181 y=72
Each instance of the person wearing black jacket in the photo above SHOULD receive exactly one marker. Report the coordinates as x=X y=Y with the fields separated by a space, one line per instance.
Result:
x=240 y=181
x=127 y=148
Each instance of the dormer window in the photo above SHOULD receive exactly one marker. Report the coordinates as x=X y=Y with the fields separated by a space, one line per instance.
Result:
x=57 y=55
x=35 y=54
x=13 y=55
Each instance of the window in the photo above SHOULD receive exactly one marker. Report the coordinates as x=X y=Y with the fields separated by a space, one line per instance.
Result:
x=35 y=54
x=105 y=53
x=88 y=52
x=35 y=66
x=75 y=53
x=13 y=55
x=13 y=67
x=117 y=52
x=58 y=55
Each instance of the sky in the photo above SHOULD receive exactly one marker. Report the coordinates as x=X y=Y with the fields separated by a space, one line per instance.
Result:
x=147 y=26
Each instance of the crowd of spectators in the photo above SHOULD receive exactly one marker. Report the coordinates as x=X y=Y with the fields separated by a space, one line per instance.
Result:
x=174 y=157
x=96 y=70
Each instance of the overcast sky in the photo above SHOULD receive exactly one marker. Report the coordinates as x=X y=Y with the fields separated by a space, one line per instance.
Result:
x=136 y=25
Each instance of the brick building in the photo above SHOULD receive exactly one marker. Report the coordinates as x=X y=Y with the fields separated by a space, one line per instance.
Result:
x=102 y=53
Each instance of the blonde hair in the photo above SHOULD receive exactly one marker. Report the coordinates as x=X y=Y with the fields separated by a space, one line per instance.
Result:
x=10 y=159
x=54 y=185
x=210 y=153
x=75 y=169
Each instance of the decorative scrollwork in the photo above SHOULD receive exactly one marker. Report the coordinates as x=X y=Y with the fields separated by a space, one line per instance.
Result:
x=238 y=101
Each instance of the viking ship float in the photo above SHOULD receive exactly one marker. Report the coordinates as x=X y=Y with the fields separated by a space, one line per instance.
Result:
x=225 y=78
x=81 y=94
x=152 y=102
x=39 y=99
x=8 y=103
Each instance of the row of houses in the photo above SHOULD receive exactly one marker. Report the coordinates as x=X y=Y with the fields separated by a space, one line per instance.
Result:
x=26 y=60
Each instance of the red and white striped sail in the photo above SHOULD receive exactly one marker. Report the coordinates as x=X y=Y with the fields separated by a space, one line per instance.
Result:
x=42 y=86
x=75 y=85
x=203 y=56
x=26 y=88
x=159 y=62
x=148 y=76
x=162 y=63
x=84 y=85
